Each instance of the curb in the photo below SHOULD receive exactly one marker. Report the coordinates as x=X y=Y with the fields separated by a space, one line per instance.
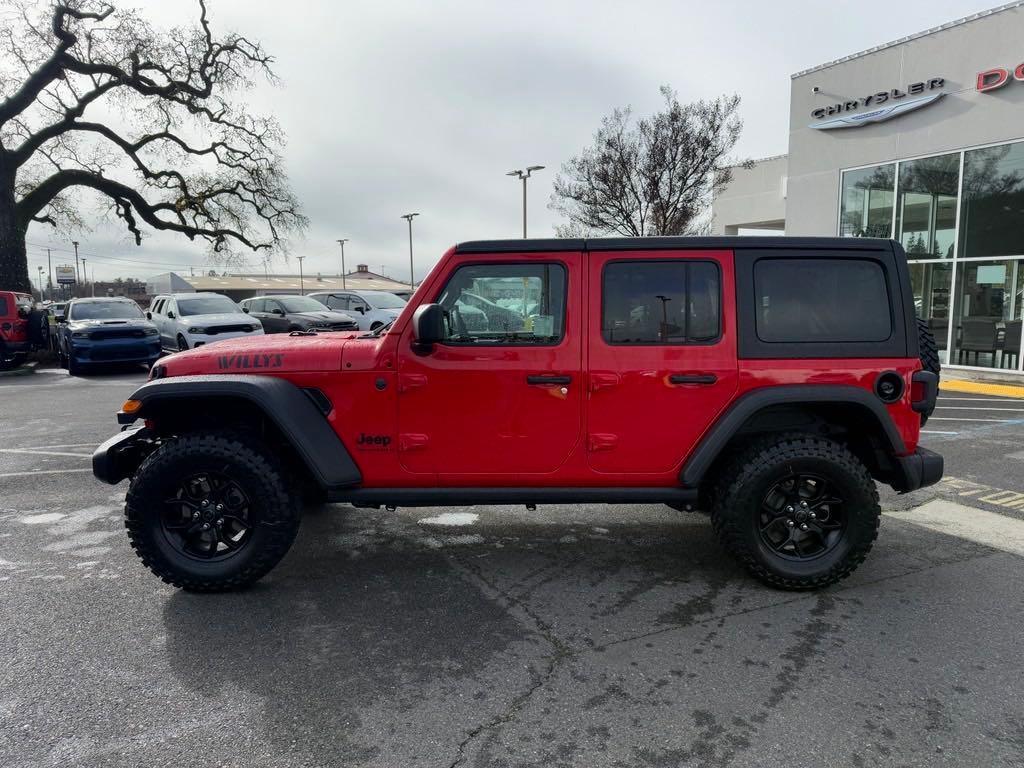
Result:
x=980 y=388
x=24 y=370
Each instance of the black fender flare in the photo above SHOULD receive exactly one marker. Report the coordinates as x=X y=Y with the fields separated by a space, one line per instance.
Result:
x=728 y=424
x=298 y=415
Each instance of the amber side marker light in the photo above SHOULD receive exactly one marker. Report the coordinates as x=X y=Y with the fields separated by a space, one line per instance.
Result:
x=131 y=406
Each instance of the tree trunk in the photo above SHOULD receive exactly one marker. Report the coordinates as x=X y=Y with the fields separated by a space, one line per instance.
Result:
x=13 y=258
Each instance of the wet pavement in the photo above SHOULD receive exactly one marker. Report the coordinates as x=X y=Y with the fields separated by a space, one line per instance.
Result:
x=495 y=636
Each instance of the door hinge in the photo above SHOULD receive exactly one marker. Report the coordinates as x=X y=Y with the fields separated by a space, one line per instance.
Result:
x=412 y=442
x=602 y=441
x=408 y=381
x=603 y=381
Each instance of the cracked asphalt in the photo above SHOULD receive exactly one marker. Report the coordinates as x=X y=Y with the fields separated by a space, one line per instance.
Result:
x=567 y=636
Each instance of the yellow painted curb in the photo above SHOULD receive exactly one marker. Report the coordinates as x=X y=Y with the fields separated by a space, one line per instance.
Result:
x=981 y=388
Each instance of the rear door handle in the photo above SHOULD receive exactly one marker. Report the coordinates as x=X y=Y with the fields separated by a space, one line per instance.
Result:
x=692 y=378
x=540 y=378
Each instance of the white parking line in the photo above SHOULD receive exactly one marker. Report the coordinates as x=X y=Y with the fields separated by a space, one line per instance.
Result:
x=44 y=452
x=988 y=528
x=975 y=408
x=983 y=399
x=43 y=472
x=937 y=432
x=954 y=418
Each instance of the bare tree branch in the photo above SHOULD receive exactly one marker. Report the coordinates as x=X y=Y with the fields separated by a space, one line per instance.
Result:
x=654 y=177
x=182 y=157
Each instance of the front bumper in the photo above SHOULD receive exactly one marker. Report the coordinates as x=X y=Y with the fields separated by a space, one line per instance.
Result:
x=116 y=351
x=918 y=470
x=118 y=457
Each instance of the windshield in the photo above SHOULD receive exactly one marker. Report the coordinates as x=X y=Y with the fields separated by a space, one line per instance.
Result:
x=383 y=300
x=206 y=305
x=106 y=310
x=301 y=304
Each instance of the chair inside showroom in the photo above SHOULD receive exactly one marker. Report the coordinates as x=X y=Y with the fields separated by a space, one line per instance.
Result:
x=979 y=335
x=940 y=330
x=1011 y=345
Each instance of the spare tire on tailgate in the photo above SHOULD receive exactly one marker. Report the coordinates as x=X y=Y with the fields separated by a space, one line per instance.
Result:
x=929 y=352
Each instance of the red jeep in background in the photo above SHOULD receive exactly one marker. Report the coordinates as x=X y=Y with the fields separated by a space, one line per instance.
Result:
x=15 y=343
x=768 y=381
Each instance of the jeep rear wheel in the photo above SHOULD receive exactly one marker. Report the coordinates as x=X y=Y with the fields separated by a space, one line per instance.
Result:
x=210 y=512
x=799 y=512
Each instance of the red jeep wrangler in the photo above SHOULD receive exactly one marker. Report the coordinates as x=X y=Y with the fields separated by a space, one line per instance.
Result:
x=769 y=381
x=15 y=336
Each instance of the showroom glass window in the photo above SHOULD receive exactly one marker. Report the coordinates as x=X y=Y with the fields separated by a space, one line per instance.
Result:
x=867 y=202
x=931 y=282
x=992 y=214
x=926 y=206
x=988 y=313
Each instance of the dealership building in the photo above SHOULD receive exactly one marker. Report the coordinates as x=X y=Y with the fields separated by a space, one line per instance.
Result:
x=920 y=140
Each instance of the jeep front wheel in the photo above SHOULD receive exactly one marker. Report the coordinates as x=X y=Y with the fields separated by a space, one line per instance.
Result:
x=210 y=512
x=799 y=512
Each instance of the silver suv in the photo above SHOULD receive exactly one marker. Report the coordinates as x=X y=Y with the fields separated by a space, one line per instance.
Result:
x=189 y=320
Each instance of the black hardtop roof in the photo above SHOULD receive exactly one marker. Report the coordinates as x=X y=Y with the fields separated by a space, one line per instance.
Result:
x=731 y=242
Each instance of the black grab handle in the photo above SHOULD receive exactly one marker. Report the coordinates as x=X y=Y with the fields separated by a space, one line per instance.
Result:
x=546 y=379
x=692 y=378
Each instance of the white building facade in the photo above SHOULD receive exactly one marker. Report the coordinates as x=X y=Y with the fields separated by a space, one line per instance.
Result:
x=920 y=140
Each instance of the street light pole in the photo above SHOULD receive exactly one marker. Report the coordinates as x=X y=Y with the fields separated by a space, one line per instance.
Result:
x=524 y=174
x=342 y=242
x=302 y=289
x=49 y=265
x=412 y=276
x=85 y=275
x=42 y=294
x=77 y=278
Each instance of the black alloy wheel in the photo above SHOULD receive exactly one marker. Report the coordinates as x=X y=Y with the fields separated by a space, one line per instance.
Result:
x=208 y=517
x=802 y=517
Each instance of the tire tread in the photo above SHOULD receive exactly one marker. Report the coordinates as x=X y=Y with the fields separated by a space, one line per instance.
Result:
x=742 y=469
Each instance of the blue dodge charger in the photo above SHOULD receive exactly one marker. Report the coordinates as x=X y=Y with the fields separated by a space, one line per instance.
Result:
x=105 y=330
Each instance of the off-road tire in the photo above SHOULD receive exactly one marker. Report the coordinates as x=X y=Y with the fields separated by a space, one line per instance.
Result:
x=275 y=511
x=739 y=491
x=929 y=352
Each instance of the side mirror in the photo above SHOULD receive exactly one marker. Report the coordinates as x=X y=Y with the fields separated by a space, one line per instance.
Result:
x=170 y=315
x=61 y=318
x=277 y=311
x=149 y=315
x=428 y=325
x=246 y=310
x=361 y=310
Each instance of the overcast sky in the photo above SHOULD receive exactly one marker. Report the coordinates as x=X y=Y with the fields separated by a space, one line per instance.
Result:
x=423 y=106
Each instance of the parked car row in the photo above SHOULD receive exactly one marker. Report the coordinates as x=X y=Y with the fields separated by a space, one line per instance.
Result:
x=89 y=331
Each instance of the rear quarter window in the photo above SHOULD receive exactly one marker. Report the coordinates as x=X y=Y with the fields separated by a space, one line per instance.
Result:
x=821 y=300
x=5 y=306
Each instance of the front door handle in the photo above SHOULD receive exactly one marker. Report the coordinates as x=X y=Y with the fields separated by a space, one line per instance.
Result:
x=692 y=378
x=541 y=378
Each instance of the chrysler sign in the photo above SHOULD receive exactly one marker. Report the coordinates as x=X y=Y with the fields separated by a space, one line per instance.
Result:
x=883 y=105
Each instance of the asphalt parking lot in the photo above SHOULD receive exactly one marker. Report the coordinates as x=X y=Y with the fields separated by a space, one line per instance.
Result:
x=496 y=636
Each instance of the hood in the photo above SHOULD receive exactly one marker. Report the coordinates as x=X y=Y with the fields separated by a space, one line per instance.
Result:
x=220 y=318
x=131 y=323
x=326 y=316
x=272 y=353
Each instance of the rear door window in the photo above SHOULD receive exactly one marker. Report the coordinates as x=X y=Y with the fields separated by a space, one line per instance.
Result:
x=821 y=300
x=4 y=308
x=661 y=302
